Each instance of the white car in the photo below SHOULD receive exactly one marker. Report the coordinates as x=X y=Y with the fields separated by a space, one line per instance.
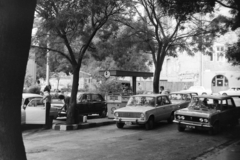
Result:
x=200 y=90
x=231 y=91
x=145 y=109
x=33 y=110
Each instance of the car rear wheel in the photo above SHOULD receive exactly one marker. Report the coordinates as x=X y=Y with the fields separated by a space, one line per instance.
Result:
x=224 y=94
x=150 y=124
x=171 y=118
x=204 y=93
x=181 y=128
x=103 y=114
x=119 y=125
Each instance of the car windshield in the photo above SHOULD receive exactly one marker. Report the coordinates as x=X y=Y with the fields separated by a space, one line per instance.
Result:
x=204 y=104
x=141 y=101
x=179 y=96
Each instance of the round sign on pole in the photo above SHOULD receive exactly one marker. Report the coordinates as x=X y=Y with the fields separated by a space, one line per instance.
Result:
x=106 y=74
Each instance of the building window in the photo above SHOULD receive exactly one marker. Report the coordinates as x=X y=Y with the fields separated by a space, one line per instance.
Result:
x=219 y=81
x=220 y=56
x=211 y=56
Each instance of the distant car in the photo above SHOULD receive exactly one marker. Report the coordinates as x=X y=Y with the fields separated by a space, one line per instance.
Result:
x=33 y=110
x=208 y=112
x=231 y=91
x=145 y=109
x=200 y=90
x=182 y=98
x=89 y=103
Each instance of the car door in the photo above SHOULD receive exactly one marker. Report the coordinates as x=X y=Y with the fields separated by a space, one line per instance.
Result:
x=83 y=104
x=23 y=114
x=160 y=109
x=167 y=107
x=35 y=112
x=97 y=103
x=231 y=113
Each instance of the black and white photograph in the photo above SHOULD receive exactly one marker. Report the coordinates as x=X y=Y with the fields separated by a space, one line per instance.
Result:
x=120 y=80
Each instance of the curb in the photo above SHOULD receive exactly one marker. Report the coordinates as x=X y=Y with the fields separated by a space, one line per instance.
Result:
x=65 y=127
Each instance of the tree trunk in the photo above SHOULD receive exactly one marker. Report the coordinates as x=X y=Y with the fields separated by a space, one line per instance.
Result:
x=16 y=19
x=158 y=69
x=72 y=116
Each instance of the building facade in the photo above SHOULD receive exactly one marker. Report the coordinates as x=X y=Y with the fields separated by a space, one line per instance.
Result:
x=211 y=71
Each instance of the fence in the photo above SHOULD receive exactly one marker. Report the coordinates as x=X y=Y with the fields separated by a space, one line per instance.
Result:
x=171 y=86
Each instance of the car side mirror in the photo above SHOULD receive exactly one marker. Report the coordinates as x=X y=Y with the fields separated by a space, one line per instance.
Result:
x=24 y=106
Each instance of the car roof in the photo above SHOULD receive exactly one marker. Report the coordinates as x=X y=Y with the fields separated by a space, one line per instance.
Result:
x=183 y=92
x=218 y=97
x=29 y=95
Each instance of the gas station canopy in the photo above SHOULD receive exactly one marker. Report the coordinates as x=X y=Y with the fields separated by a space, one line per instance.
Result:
x=119 y=73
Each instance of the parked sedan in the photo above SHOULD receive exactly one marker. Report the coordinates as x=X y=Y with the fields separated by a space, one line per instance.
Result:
x=200 y=90
x=33 y=110
x=231 y=91
x=208 y=113
x=182 y=98
x=89 y=103
x=145 y=109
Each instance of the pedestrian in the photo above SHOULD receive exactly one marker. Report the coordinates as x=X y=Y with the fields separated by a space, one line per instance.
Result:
x=161 y=90
x=47 y=88
x=47 y=99
x=66 y=102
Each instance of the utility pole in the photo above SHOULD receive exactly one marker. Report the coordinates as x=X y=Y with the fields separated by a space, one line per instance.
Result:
x=47 y=64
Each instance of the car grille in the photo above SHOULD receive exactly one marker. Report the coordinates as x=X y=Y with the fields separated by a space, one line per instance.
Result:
x=129 y=114
x=191 y=118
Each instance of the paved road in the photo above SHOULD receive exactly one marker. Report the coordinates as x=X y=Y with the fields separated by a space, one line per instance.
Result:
x=130 y=143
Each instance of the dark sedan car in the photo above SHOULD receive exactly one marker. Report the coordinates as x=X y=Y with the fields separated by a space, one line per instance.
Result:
x=182 y=98
x=90 y=103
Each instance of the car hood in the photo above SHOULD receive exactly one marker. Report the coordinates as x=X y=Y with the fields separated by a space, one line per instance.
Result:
x=197 y=113
x=134 y=109
x=179 y=101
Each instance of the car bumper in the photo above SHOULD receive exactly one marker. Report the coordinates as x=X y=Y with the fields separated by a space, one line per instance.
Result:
x=132 y=120
x=195 y=124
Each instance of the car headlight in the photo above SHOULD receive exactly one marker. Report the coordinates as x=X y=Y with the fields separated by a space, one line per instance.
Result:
x=201 y=119
x=116 y=114
x=182 y=117
x=178 y=117
x=142 y=116
x=205 y=120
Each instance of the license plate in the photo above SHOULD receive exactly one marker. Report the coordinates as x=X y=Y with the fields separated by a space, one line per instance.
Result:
x=128 y=123
x=191 y=127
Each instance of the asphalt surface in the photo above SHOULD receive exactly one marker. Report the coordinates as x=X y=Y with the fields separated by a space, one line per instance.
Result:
x=132 y=142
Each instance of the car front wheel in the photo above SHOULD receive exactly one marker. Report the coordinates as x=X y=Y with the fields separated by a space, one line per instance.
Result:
x=119 y=125
x=150 y=124
x=181 y=128
x=215 y=129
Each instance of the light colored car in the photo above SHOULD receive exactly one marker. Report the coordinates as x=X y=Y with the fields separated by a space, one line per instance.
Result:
x=235 y=90
x=182 y=98
x=33 y=110
x=145 y=109
x=200 y=90
x=208 y=112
